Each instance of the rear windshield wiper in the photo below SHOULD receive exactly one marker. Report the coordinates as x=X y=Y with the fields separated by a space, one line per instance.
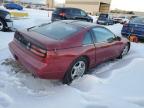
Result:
x=44 y=24
x=30 y=28
x=38 y=26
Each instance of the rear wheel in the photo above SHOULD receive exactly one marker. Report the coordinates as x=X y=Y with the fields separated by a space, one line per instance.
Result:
x=76 y=70
x=2 y=25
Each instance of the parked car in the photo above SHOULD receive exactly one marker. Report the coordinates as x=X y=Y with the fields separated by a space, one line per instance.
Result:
x=5 y=20
x=121 y=19
x=117 y=20
x=135 y=26
x=105 y=19
x=13 y=6
x=70 y=14
x=124 y=19
x=66 y=49
x=132 y=17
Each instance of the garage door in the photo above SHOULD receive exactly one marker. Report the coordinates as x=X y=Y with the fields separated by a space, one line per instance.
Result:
x=104 y=7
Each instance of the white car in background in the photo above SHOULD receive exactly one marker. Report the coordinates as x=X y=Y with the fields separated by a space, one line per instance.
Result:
x=121 y=19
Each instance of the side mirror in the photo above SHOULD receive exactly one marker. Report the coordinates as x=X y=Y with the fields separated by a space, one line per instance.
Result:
x=118 y=38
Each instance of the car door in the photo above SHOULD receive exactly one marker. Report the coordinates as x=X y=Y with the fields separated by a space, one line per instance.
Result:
x=107 y=46
x=89 y=48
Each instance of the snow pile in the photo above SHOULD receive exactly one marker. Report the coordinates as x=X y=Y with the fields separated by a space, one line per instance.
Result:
x=36 y=17
x=114 y=84
x=5 y=100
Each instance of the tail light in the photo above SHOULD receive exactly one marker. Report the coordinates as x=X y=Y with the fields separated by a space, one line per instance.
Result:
x=62 y=14
x=38 y=51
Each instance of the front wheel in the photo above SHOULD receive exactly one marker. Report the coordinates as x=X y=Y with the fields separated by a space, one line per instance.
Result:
x=76 y=70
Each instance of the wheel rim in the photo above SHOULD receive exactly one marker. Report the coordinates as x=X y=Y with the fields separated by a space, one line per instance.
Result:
x=1 y=25
x=125 y=51
x=78 y=69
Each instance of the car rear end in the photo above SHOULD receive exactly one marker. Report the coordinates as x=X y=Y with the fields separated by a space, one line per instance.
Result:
x=117 y=20
x=58 y=14
x=37 y=49
x=135 y=26
x=31 y=54
x=103 y=18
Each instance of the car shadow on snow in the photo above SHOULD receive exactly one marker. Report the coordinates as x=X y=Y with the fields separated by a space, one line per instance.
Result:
x=26 y=81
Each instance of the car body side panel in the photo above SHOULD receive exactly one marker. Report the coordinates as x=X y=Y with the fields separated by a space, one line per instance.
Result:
x=106 y=51
x=103 y=52
x=137 y=29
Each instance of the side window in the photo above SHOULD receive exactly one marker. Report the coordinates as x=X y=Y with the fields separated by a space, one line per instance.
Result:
x=76 y=12
x=87 y=39
x=57 y=11
x=102 y=34
x=83 y=13
x=68 y=11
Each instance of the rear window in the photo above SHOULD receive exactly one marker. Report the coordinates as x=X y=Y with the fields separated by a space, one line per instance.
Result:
x=103 y=16
x=137 y=20
x=58 y=10
x=57 y=30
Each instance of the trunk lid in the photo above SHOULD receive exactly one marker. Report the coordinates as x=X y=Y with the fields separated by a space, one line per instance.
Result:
x=29 y=37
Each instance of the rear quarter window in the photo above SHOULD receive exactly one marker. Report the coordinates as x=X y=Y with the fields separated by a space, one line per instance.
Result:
x=87 y=39
x=68 y=11
x=103 y=16
x=76 y=12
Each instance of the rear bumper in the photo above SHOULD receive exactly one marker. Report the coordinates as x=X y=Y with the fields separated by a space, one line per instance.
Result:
x=101 y=22
x=37 y=67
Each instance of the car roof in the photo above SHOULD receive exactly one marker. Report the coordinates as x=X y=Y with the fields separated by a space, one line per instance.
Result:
x=78 y=23
x=67 y=8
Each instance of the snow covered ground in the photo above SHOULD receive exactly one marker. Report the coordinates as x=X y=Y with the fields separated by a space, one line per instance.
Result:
x=115 y=84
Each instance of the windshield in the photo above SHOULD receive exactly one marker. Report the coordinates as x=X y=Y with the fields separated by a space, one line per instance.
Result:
x=56 y=30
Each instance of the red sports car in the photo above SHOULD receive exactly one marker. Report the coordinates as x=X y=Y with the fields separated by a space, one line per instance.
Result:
x=66 y=49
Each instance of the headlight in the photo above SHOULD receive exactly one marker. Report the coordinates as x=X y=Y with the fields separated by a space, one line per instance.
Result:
x=8 y=16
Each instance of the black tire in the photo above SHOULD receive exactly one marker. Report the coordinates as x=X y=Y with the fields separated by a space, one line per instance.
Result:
x=2 y=25
x=68 y=76
x=121 y=55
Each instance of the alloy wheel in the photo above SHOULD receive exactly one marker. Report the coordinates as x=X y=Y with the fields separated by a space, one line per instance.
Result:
x=78 y=69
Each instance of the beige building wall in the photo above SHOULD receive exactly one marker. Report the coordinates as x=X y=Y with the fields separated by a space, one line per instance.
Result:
x=50 y=3
x=90 y=6
x=105 y=1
